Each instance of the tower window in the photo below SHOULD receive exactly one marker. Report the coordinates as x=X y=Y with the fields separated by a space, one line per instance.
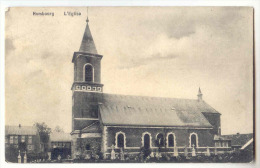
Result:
x=89 y=73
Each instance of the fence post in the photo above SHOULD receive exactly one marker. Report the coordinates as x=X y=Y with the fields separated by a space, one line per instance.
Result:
x=185 y=151
x=215 y=151
x=122 y=157
x=25 y=158
x=19 y=157
x=208 y=151
x=113 y=155
x=193 y=151
x=176 y=151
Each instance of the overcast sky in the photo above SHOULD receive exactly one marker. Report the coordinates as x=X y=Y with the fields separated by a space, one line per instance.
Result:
x=150 y=51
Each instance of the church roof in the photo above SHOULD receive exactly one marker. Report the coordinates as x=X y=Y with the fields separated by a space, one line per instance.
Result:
x=153 y=111
x=87 y=44
x=92 y=128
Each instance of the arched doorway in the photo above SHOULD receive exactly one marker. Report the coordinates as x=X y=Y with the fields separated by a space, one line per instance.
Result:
x=146 y=141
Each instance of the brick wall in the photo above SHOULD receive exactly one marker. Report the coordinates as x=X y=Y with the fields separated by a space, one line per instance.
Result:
x=85 y=104
x=134 y=136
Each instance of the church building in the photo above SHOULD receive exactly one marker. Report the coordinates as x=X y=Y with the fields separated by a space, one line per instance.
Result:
x=102 y=121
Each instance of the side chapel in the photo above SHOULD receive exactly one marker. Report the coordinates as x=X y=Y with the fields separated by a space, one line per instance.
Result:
x=101 y=121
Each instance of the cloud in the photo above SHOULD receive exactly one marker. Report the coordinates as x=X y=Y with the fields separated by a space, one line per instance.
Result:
x=9 y=46
x=134 y=63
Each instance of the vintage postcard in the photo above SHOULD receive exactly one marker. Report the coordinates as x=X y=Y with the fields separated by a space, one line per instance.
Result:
x=129 y=85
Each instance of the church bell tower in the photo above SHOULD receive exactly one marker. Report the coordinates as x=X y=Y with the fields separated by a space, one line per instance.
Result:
x=86 y=91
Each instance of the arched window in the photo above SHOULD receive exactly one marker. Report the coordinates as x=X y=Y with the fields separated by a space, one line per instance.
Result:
x=146 y=141
x=193 y=140
x=89 y=73
x=160 y=140
x=171 y=140
x=120 y=139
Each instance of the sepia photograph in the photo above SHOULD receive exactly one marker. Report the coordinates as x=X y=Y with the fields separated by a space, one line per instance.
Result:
x=129 y=84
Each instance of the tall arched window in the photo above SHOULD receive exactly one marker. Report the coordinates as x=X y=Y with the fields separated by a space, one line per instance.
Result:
x=193 y=140
x=160 y=140
x=171 y=140
x=146 y=141
x=89 y=73
x=120 y=139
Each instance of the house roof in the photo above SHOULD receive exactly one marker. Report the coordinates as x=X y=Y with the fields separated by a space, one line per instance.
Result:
x=153 y=111
x=60 y=137
x=87 y=44
x=20 y=130
x=238 y=139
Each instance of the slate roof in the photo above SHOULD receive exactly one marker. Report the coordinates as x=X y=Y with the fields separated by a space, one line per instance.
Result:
x=92 y=128
x=23 y=130
x=87 y=44
x=153 y=111
x=60 y=137
x=238 y=139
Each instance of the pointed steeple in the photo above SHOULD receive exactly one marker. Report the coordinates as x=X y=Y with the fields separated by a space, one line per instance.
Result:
x=87 y=44
x=199 y=95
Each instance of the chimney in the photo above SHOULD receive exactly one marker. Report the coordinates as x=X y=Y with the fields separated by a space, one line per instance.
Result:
x=19 y=125
x=199 y=95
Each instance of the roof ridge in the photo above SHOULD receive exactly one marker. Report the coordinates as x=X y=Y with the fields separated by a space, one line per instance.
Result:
x=21 y=126
x=149 y=96
x=238 y=134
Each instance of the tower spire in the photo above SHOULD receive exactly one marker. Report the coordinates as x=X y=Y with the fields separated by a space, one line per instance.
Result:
x=199 y=95
x=87 y=16
x=87 y=44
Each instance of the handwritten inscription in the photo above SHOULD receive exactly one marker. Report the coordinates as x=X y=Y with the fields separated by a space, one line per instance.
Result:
x=68 y=13
x=43 y=13
x=65 y=13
